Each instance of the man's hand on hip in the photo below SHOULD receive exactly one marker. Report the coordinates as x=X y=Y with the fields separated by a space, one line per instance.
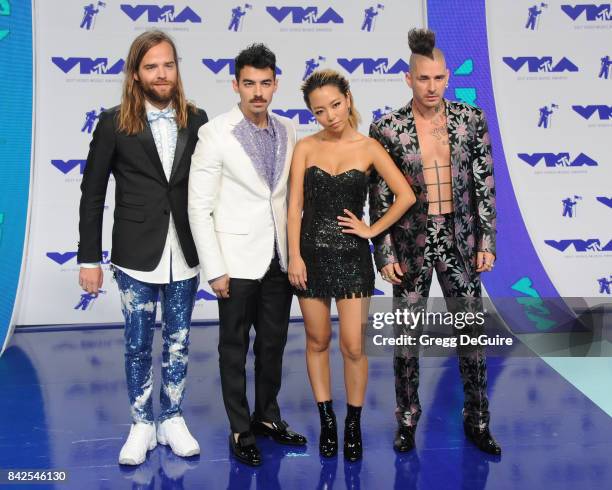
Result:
x=90 y=279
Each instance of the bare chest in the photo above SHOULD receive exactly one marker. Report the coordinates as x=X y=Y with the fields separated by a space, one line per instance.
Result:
x=433 y=140
x=435 y=158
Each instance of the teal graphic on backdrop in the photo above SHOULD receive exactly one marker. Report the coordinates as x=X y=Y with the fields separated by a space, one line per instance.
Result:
x=15 y=150
x=5 y=10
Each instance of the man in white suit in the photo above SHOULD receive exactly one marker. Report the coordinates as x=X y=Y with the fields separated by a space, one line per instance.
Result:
x=238 y=217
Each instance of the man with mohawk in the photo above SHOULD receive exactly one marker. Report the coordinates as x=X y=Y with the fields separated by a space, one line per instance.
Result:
x=443 y=149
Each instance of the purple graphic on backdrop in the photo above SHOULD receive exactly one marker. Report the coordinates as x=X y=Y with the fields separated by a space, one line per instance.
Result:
x=464 y=36
x=533 y=14
x=369 y=19
x=545 y=113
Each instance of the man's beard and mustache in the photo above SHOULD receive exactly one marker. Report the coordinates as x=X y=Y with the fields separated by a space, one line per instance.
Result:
x=154 y=96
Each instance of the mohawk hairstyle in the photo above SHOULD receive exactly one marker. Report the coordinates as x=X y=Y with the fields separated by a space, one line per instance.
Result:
x=422 y=42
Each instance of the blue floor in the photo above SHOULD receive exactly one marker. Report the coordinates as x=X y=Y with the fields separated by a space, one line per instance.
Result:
x=64 y=407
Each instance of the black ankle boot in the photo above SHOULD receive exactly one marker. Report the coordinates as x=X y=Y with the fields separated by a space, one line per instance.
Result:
x=328 y=441
x=352 y=433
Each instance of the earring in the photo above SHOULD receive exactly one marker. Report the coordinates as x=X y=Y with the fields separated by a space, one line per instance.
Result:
x=350 y=110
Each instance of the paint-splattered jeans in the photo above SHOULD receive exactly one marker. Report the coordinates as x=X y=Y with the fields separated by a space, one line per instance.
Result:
x=139 y=304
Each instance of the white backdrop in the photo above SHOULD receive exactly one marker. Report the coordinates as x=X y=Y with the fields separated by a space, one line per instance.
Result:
x=575 y=249
x=78 y=61
x=552 y=59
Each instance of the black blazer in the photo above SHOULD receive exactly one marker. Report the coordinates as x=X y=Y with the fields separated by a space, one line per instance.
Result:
x=144 y=198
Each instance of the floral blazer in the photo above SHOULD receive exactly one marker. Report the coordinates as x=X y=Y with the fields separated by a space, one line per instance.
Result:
x=473 y=187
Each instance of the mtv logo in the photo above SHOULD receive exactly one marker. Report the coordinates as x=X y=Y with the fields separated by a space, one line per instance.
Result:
x=603 y=111
x=557 y=159
x=88 y=66
x=67 y=165
x=301 y=15
x=542 y=64
x=217 y=65
x=606 y=201
x=160 y=13
x=593 y=12
x=371 y=66
x=588 y=245
x=304 y=115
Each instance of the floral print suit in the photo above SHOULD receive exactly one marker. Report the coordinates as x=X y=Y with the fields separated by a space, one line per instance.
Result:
x=419 y=244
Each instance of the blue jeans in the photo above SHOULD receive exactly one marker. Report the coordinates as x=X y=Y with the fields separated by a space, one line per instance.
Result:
x=139 y=305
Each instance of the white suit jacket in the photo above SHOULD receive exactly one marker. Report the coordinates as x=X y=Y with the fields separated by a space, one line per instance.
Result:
x=233 y=214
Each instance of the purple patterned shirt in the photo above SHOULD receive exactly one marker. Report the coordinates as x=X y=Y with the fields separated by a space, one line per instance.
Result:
x=265 y=142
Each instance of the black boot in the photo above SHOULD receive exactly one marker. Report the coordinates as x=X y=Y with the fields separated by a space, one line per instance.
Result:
x=328 y=441
x=483 y=439
x=352 y=433
x=404 y=438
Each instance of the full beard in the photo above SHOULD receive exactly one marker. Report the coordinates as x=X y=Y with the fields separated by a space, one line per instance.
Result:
x=154 y=96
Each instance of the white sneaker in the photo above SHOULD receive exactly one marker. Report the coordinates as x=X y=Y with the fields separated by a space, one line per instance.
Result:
x=140 y=440
x=174 y=432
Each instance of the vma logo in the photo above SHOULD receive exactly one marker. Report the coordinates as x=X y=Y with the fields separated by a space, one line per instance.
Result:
x=89 y=66
x=537 y=65
x=66 y=166
x=557 y=159
x=592 y=12
x=203 y=295
x=62 y=257
x=305 y=15
x=220 y=64
x=304 y=116
x=604 y=112
x=606 y=201
x=161 y=13
x=371 y=66
x=588 y=245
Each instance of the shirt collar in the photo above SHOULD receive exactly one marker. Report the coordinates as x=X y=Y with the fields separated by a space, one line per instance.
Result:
x=253 y=127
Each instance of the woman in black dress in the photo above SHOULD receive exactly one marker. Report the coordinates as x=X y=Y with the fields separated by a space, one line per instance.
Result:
x=329 y=253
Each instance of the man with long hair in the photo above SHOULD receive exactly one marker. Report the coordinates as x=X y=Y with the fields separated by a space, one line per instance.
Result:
x=443 y=148
x=146 y=143
x=238 y=214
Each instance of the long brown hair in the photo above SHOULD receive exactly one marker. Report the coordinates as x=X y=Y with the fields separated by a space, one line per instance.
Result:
x=322 y=78
x=131 y=118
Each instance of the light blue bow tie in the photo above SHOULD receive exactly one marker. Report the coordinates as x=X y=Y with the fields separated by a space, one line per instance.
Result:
x=169 y=113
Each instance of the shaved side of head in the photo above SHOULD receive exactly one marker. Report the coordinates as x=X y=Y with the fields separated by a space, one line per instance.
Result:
x=422 y=43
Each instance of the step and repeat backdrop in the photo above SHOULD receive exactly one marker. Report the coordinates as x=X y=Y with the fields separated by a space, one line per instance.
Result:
x=541 y=71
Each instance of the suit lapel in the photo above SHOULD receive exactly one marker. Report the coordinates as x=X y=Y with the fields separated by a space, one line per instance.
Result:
x=148 y=143
x=181 y=143
x=416 y=166
x=454 y=146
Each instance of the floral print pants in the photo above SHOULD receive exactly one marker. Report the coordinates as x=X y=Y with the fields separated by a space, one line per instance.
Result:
x=456 y=281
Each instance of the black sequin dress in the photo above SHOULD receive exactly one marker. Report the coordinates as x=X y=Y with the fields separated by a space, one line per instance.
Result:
x=338 y=265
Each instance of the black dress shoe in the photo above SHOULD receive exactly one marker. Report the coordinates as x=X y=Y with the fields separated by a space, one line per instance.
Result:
x=328 y=440
x=353 y=448
x=245 y=449
x=404 y=438
x=483 y=439
x=279 y=432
